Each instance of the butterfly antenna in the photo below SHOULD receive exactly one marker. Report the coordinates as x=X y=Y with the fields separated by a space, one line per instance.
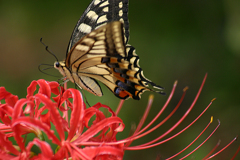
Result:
x=49 y=51
x=41 y=70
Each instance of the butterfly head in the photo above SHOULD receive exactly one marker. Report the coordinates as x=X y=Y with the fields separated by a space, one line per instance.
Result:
x=60 y=66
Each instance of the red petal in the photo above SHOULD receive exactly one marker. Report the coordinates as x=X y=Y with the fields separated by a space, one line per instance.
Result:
x=39 y=125
x=94 y=129
x=45 y=148
x=77 y=113
x=6 y=156
x=4 y=142
x=54 y=87
x=44 y=88
x=10 y=99
x=6 y=120
x=45 y=118
x=18 y=109
x=104 y=152
x=6 y=112
x=90 y=112
x=99 y=105
x=18 y=138
x=55 y=115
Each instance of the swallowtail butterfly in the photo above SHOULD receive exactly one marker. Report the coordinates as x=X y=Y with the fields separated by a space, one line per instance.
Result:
x=98 y=51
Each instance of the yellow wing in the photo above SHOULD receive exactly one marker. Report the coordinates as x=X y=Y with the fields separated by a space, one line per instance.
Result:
x=102 y=55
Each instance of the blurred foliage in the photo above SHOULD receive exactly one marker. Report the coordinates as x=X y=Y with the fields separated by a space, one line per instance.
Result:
x=176 y=40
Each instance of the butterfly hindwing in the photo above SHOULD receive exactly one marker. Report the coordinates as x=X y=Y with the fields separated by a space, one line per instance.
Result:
x=98 y=13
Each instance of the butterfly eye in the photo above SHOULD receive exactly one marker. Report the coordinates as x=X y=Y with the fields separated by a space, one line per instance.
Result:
x=56 y=64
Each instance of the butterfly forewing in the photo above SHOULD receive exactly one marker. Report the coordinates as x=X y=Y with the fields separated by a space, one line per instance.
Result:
x=98 y=13
x=86 y=56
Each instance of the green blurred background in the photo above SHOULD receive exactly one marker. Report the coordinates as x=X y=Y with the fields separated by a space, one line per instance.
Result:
x=176 y=40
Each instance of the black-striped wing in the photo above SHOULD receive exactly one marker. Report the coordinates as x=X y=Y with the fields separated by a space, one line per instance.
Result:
x=98 y=51
x=102 y=55
x=98 y=13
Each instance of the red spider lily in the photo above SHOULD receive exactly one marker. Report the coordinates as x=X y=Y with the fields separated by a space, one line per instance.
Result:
x=76 y=137
x=23 y=116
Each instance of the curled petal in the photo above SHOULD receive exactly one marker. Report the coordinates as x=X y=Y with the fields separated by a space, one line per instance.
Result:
x=44 y=88
x=104 y=152
x=18 y=109
x=77 y=113
x=34 y=123
x=94 y=129
x=55 y=116
x=45 y=118
x=99 y=105
x=46 y=150
x=5 y=114
x=91 y=112
x=120 y=128
x=10 y=99
x=55 y=87
x=7 y=144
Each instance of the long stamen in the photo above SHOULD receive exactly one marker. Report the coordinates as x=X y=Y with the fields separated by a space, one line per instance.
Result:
x=234 y=156
x=202 y=142
x=146 y=145
x=222 y=149
x=192 y=141
x=163 y=108
x=214 y=148
x=150 y=101
x=119 y=106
